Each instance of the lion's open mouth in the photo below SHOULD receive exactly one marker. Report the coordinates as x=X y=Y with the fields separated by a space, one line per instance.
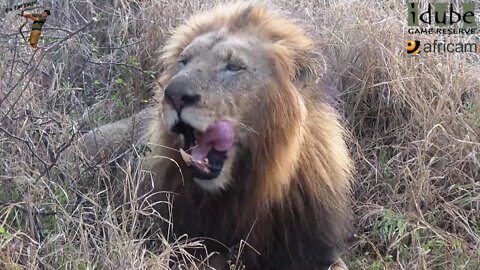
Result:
x=206 y=152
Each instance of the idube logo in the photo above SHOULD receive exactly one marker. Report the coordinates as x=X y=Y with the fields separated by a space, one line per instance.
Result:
x=441 y=18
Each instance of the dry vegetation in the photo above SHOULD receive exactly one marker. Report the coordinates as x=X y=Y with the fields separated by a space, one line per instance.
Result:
x=416 y=123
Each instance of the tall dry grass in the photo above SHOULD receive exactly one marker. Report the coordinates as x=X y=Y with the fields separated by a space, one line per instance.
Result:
x=415 y=120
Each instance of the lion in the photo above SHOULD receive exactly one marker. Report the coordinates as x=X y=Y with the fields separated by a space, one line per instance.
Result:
x=263 y=156
x=248 y=142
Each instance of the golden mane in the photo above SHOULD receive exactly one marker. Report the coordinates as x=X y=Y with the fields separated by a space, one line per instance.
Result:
x=299 y=169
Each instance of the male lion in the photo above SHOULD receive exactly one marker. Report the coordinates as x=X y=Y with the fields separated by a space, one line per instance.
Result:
x=263 y=157
x=266 y=160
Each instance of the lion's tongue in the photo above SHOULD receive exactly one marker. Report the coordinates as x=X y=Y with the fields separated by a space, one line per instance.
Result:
x=218 y=136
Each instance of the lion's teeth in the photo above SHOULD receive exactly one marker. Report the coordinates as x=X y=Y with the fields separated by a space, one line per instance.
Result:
x=190 y=161
x=186 y=157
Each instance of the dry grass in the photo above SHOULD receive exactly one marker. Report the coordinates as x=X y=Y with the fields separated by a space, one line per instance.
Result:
x=416 y=121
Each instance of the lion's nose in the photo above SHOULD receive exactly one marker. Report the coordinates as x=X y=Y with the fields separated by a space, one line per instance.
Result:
x=180 y=94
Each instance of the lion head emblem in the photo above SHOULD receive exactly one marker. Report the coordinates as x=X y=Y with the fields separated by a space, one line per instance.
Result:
x=245 y=138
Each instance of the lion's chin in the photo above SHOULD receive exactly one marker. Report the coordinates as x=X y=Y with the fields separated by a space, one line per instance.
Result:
x=217 y=184
x=224 y=177
x=206 y=153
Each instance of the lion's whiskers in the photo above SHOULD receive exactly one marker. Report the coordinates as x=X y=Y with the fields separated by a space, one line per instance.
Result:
x=243 y=125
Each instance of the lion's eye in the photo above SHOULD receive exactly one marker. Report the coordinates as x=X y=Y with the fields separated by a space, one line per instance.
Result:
x=183 y=61
x=233 y=67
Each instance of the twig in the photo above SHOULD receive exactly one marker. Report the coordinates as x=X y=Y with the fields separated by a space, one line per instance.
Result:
x=122 y=64
x=56 y=155
x=26 y=85
x=27 y=143
x=13 y=65
x=53 y=46
x=23 y=209
x=19 y=81
x=123 y=46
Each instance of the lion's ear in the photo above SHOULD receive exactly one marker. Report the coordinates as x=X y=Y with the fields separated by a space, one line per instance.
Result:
x=302 y=78
x=307 y=71
x=310 y=68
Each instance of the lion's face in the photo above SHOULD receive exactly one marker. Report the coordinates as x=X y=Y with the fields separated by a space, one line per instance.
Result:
x=213 y=101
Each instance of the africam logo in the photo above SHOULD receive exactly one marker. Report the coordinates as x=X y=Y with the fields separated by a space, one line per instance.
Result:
x=442 y=19
x=438 y=46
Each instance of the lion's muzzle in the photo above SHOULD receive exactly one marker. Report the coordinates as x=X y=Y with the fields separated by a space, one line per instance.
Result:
x=189 y=109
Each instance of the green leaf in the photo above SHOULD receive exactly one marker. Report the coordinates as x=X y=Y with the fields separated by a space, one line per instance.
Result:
x=132 y=60
x=120 y=81
x=2 y=230
x=96 y=82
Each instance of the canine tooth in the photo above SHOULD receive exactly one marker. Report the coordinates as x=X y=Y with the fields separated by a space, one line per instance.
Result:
x=189 y=160
x=186 y=157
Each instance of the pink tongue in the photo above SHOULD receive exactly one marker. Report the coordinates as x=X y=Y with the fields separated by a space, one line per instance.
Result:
x=218 y=136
